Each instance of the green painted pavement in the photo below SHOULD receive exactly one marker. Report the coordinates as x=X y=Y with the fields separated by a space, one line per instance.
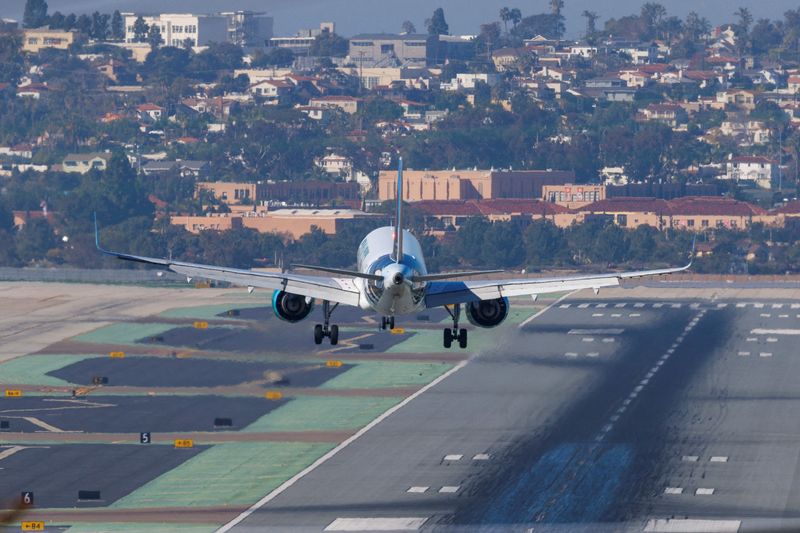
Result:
x=231 y=473
x=32 y=369
x=123 y=333
x=141 y=526
x=210 y=312
x=318 y=413
x=385 y=374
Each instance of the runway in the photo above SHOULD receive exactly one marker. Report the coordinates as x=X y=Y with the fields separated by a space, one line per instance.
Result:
x=599 y=415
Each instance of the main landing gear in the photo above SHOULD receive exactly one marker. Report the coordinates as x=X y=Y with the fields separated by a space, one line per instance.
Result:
x=387 y=322
x=454 y=333
x=327 y=330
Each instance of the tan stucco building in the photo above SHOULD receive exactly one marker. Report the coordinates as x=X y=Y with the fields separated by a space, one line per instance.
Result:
x=36 y=39
x=420 y=185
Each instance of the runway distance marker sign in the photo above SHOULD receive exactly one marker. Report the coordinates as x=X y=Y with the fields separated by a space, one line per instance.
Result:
x=201 y=325
x=333 y=364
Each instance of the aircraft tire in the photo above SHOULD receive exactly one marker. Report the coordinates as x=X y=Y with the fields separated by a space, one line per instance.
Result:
x=318 y=334
x=462 y=338
x=334 y=335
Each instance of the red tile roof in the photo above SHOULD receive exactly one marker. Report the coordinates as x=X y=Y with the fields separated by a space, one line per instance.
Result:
x=713 y=206
x=499 y=206
x=626 y=204
x=752 y=159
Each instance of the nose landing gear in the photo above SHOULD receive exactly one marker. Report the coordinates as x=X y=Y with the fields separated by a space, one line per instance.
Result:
x=455 y=333
x=387 y=322
x=326 y=329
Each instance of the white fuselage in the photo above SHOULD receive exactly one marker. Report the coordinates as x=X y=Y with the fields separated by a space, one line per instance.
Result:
x=396 y=294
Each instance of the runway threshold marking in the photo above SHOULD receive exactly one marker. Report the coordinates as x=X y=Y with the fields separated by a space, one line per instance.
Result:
x=406 y=523
x=691 y=525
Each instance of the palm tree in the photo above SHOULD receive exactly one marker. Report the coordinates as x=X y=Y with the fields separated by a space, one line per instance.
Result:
x=516 y=16
x=591 y=22
x=505 y=16
x=556 y=6
x=745 y=18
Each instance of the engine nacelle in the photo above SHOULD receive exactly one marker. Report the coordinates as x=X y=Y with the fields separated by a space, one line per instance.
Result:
x=487 y=313
x=291 y=307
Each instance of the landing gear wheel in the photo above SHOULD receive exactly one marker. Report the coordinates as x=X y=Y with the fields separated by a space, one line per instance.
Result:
x=318 y=334
x=462 y=338
x=334 y=335
x=448 y=338
x=391 y=322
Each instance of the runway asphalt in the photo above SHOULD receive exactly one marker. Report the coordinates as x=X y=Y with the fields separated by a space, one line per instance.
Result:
x=598 y=416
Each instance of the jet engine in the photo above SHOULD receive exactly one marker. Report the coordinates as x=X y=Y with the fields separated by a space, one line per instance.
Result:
x=487 y=313
x=291 y=307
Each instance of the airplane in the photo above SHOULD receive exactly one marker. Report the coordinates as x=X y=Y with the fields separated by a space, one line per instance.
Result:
x=391 y=279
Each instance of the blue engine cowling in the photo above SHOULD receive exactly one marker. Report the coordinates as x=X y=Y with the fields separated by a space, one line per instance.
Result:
x=487 y=313
x=291 y=307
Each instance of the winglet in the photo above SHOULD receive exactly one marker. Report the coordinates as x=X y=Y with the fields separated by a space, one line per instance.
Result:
x=97 y=234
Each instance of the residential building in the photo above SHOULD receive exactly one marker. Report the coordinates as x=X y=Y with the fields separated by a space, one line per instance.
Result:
x=628 y=212
x=150 y=112
x=468 y=80
x=271 y=92
x=738 y=98
x=34 y=40
x=348 y=104
x=230 y=193
x=470 y=184
x=670 y=114
x=388 y=49
x=746 y=132
x=761 y=171
x=83 y=163
x=179 y=29
x=182 y=167
x=505 y=59
x=699 y=213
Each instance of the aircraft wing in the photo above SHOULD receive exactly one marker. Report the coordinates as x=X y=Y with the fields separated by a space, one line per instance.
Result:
x=341 y=290
x=456 y=292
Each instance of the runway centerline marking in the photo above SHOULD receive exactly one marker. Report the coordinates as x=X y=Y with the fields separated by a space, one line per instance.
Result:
x=673 y=490
x=782 y=331
x=408 y=523
x=453 y=457
x=417 y=490
x=449 y=489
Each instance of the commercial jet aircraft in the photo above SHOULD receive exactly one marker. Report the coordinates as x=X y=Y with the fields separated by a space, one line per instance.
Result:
x=391 y=280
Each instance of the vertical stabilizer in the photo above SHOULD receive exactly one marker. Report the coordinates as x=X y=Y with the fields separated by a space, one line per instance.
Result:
x=398 y=228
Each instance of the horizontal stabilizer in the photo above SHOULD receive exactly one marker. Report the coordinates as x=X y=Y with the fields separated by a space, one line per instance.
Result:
x=452 y=275
x=341 y=271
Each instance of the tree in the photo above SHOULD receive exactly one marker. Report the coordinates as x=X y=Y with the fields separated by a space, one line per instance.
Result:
x=99 y=26
x=437 y=25
x=329 y=44
x=653 y=14
x=35 y=14
x=34 y=240
x=745 y=19
x=84 y=24
x=117 y=26
x=408 y=27
x=489 y=35
x=505 y=16
x=154 y=38
x=516 y=16
x=140 y=30
x=556 y=6
x=551 y=26
x=57 y=21
x=696 y=26
x=764 y=37
x=591 y=22
x=278 y=57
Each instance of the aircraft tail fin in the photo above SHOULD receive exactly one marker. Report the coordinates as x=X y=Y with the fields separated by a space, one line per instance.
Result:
x=398 y=229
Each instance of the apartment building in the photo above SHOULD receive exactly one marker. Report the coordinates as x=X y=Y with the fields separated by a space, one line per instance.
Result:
x=761 y=171
x=34 y=40
x=387 y=49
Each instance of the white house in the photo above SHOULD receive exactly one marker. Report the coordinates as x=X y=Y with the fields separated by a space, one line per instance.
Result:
x=757 y=169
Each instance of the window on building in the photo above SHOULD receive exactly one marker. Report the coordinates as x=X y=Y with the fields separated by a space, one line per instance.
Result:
x=704 y=223
x=387 y=49
x=690 y=223
x=622 y=220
